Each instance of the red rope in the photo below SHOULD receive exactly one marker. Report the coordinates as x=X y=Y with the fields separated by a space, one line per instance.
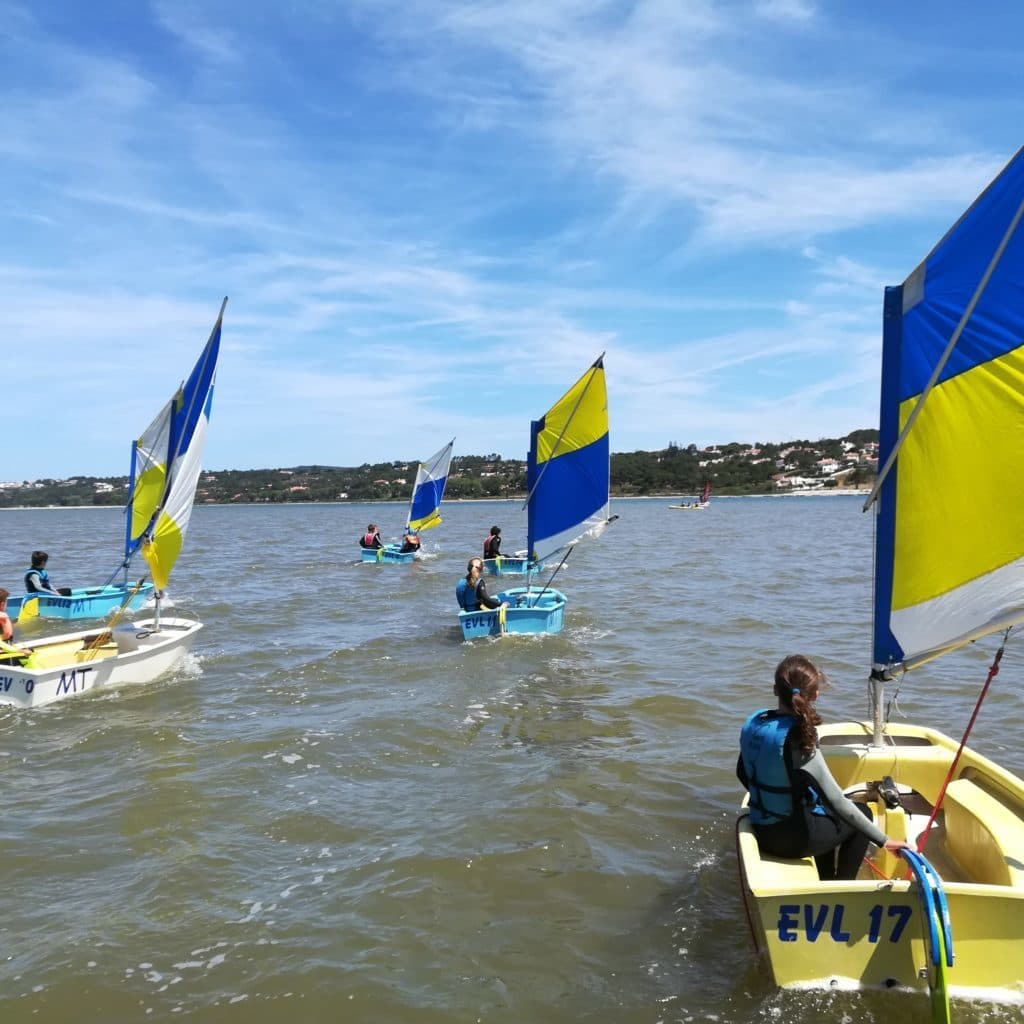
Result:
x=992 y=673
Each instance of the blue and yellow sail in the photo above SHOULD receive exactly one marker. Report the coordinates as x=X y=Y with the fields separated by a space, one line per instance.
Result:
x=568 y=472
x=428 y=490
x=950 y=531
x=166 y=463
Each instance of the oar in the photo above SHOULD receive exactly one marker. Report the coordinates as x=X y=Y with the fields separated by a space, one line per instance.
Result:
x=502 y=608
x=29 y=610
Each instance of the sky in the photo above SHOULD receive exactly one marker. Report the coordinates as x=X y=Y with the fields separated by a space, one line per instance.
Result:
x=430 y=218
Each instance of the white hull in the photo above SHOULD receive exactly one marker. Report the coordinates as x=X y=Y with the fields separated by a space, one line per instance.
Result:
x=72 y=664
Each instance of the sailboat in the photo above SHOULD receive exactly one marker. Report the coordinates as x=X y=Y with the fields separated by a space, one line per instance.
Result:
x=949 y=569
x=703 y=501
x=424 y=507
x=167 y=464
x=568 y=478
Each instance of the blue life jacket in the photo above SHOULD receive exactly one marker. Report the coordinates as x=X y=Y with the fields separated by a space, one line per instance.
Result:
x=466 y=596
x=774 y=794
x=44 y=578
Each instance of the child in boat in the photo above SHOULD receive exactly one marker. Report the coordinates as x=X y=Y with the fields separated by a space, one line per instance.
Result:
x=471 y=591
x=371 y=539
x=9 y=653
x=410 y=542
x=796 y=807
x=37 y=579
x=492 y=543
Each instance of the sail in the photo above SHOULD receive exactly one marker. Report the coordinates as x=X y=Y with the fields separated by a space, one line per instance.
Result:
x=428 y=490
x=705 y=494
x=166 y=464
x=950 y=529
x=568 y=472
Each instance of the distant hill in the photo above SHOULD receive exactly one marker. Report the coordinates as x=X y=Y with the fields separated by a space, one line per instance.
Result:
x=736 y=468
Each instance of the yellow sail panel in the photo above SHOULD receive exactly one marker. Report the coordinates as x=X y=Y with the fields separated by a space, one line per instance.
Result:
x=578 y=418
x=958 y=473
x=162 y=551
x=428 y=523
x=150 y=469
x=149 y=490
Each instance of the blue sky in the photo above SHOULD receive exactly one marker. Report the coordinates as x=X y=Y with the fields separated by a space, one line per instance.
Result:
x=430 y=217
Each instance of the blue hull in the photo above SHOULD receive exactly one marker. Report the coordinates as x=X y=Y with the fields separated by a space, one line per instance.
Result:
x=388 y=555
x=84 y=602
x=510 y=566
x=525 y=614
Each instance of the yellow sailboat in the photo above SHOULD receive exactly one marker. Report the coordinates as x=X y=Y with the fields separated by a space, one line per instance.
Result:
x=949 y=569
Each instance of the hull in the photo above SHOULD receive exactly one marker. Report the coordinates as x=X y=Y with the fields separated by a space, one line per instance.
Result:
x=869 y=932
x=691 y=508
x=83 y=602
x=74 y=663
x=387 y=555
x=529 y=611
x=510 y=566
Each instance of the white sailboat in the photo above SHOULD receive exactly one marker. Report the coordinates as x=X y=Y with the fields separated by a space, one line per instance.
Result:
x=703 y=500
x=949 y=569
x=168 y=463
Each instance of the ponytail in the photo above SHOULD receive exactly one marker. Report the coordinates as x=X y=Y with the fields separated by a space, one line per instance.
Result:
x=797 y=681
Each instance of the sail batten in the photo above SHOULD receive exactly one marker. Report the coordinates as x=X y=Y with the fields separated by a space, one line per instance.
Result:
x=428 y=490
x=950 y=531
x=569 y=467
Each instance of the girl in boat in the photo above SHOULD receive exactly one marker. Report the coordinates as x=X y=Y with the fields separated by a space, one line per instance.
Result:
x=471 y=591
x=796 y=807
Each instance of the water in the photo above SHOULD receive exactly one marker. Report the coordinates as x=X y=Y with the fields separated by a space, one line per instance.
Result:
x=338 y=810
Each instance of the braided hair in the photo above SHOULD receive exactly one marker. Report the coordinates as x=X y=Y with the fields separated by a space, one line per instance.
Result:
x=797 y=682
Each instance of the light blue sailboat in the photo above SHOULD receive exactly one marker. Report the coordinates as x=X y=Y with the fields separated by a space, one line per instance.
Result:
x=568 y=477
x=424 y=507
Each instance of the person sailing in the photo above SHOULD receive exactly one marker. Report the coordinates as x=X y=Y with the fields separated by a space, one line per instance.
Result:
x=37 y=579
x=471 y=591
x=410 y=541
x=10 y=653
x=492 y=543
x=371 y=539
x=796 y=806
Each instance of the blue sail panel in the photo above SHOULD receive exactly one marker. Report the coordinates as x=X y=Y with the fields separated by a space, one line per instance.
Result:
x=428 y=489
x=950 y=537
x=569 y=468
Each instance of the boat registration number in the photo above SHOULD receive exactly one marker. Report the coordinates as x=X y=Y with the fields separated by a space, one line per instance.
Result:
x=882 y=923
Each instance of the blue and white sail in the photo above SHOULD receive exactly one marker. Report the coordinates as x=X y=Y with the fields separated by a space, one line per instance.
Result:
x=568 y=472
x=950 y=531
x=427 y=492
x=166 y=463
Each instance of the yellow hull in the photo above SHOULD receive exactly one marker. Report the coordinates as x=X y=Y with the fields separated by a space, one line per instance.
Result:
x=868 y=932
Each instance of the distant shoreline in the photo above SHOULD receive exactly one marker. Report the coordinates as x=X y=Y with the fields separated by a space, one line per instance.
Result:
x=840 y=492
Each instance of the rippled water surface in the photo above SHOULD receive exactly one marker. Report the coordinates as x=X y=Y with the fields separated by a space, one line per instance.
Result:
x=336 y=810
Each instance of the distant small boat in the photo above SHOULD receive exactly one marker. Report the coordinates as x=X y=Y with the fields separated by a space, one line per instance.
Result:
x=424 y=507
x=568 y=477
x=168 y=457
x=702 y=502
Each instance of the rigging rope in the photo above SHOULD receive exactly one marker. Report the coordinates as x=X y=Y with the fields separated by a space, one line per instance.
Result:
x=992 y=673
